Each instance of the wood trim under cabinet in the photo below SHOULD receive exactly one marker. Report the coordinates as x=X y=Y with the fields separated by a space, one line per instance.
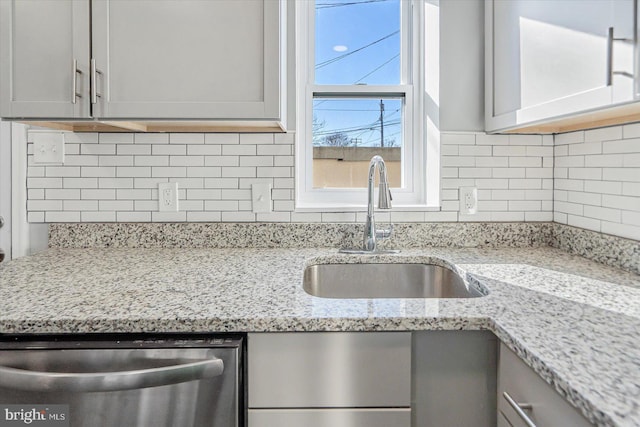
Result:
x=186 y=126
x=623 y=114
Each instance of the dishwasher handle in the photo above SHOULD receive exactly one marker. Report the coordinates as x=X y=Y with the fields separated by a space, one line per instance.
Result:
x=26 y=380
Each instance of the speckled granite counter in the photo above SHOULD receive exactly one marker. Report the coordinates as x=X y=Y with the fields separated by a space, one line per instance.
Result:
x=576 y=322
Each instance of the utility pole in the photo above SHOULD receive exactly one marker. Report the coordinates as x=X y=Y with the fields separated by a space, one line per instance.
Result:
x=381 y=123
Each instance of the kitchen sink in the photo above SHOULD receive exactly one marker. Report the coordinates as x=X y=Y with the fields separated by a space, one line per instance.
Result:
x=385 y=281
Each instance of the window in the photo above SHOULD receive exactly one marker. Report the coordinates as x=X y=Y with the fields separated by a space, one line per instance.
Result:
x=359 y=63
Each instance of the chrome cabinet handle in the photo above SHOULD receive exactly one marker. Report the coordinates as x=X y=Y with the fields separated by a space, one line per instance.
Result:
x=610 y=73
x=21 y=379
x=74 y=90
x=94 y=82
x=519 y=408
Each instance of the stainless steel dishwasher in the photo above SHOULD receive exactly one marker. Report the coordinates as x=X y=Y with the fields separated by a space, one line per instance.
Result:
x=161 y=381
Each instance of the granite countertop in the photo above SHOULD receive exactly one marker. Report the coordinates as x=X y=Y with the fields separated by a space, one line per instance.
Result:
x=574 y=321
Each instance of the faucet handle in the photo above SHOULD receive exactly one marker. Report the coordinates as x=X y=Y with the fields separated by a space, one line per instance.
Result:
x=384 y=233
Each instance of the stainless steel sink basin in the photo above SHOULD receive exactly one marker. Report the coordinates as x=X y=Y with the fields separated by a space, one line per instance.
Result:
x=385 y=281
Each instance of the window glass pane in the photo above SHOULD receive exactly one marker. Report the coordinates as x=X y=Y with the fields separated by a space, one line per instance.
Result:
x=357 y=42
x=347 y=132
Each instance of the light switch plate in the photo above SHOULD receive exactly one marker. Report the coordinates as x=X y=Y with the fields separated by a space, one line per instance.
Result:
x=48 y=148
x=261 y=197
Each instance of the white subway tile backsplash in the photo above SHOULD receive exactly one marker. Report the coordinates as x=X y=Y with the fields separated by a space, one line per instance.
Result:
x=186 y=161
x=584 y=222
x=155 y=160
x=525 y=139
x=584 y=198
x=168 y=216
x=239 y=172
x=102 y=171
x=169 y=150
x=134 y=194
x=62 y=194
x=107 y=178
x=116 y=138
x=585 y=148
x=204 y=216
x=151 y=138
x=631 y=131
x=256 y=138
x=630 y=189
x=606 y=214
x=52 y=216
x=204 y=150
x=97 y=216
x=204 y=172
x=602 y=176
x=238 y=217
x=62 y=171
x=98 y=149
x=133 y=216
x=621 y=174
x=257 y=161
x=622 y=146
x=101 y=194
x=222 y=138
x=186 y=138
x=131 y=150
x=238 y=150
x=156 y=171
x=603 y=134
x=622 y=230
x=116 y=161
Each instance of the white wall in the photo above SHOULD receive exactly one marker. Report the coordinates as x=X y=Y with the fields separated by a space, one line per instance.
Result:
x=5 y=186
x=461 y=65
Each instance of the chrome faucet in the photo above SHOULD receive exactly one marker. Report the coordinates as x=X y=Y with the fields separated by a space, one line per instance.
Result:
x=369 y=243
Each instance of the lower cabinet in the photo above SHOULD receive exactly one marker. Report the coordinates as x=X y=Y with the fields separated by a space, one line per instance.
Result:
x=525 y=399
x=372 y=379
x=329 y=379
x=336 y=417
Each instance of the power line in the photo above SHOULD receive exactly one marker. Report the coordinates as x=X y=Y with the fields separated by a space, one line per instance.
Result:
x=376 y=69
x=331 y=5
x=338 y=58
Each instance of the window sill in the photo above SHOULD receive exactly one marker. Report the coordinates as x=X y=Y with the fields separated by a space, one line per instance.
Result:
x=309 y=207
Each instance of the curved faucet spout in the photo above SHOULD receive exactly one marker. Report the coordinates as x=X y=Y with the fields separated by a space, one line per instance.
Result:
x=384 y=202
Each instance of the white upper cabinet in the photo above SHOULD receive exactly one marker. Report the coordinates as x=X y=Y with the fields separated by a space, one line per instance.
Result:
x=44 y=58
x=549 y=59
x=187 y=59
x=142 y=59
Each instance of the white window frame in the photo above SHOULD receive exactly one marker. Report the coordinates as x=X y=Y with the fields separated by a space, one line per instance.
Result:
x=420 y=189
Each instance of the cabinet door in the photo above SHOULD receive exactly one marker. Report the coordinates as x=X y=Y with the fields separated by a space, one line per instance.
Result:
x=524 y=386
x=329 y=369
x=39 y=42
x=549 y=59
x=344 y=417
x=173 y=59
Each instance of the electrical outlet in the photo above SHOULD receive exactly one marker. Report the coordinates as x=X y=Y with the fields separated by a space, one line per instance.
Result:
x=168 y=197
x=468 y=200
x=261 y=196
x=48 y=148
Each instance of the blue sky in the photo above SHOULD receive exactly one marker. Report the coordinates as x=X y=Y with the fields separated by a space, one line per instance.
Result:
x=358 y=41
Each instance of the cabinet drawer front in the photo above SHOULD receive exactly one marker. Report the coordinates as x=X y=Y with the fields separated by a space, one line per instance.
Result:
x=525 y=386
x=329 y=417
x=305 y=370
